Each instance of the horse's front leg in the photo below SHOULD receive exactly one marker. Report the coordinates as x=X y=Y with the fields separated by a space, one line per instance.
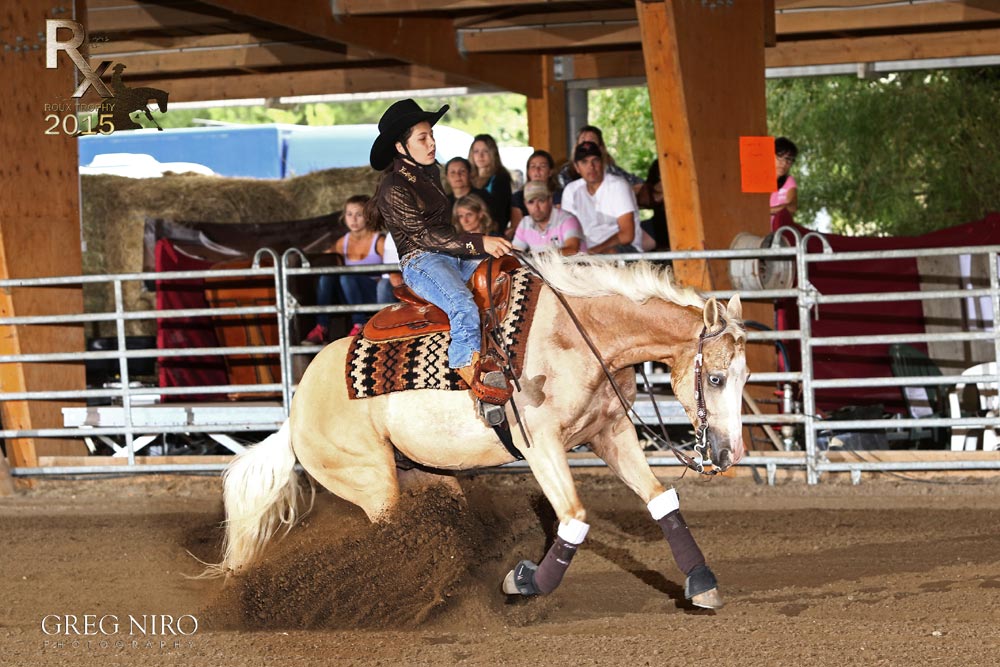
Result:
x=618 y=445
x=548 y=463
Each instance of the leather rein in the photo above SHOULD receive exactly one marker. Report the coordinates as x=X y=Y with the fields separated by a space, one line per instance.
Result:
x=701 y=433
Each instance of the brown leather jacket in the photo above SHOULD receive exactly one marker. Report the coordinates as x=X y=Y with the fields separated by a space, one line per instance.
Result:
x=417 y=213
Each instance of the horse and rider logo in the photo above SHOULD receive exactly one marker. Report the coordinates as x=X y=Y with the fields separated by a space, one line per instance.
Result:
x=124 y=100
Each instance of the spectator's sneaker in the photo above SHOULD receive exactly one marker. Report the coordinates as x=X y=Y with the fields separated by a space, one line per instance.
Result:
x=316 y=337
x=356 y=329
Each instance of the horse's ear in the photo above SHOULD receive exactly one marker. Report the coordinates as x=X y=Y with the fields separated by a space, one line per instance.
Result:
x=734 y=309
x=711 y=314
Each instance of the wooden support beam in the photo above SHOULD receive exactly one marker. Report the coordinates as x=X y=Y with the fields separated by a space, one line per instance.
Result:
x=951 y=44
x=703 y=101
x=400 y=76
x=552 y=32
x=370 y=7
x=207 y=57
x=702 y=104
x=609 y=65
x=547 y=115
x=122 y=16
x=429 y=42
x=870 y=16
x=39 y=231
x=806 y=52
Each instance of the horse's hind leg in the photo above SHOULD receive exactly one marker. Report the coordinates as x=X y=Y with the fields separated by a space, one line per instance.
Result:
x=619 y=447
x=551 y=469
x=336 y=439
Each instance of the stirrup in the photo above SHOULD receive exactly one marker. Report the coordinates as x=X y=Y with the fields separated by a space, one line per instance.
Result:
x=493 y=415
x=490 y=385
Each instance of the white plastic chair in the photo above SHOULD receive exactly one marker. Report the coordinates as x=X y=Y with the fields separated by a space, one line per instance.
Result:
x=989 y=403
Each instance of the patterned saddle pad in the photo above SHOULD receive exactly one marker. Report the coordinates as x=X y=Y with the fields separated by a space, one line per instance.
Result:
x=374 y=368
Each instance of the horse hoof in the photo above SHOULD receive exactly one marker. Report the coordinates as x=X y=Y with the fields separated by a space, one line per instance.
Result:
x=521 y=580
x=708 y=600
x=702 y=589
x=509 y=587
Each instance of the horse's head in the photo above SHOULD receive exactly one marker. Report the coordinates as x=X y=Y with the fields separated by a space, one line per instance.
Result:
x=723 y=372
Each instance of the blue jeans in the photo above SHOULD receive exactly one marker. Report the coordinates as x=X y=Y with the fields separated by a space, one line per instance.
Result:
x=358 y=289
x=326 y=288
x=441 y=279
x=384 y=290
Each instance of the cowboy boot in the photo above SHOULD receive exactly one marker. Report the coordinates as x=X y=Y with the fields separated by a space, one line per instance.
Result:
x=490 y=388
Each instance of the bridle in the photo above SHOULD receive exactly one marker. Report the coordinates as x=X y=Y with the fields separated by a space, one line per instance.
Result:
x=701 y=433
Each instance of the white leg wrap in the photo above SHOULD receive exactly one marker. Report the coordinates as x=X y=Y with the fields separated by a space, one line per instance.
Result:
x=573 y=531
x=663 y=504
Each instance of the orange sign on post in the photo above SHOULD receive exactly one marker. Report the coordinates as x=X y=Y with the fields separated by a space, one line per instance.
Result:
x=757 y=164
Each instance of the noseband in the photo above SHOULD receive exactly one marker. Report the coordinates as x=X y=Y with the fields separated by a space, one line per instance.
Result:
x=701 y=433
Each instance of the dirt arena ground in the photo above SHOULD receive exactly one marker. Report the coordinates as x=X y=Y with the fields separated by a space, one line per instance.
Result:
x=888 y=573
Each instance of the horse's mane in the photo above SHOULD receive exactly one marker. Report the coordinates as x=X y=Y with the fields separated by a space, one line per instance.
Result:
x=638 y=281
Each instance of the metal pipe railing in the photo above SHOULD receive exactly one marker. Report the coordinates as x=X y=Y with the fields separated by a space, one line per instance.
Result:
x=807 y=298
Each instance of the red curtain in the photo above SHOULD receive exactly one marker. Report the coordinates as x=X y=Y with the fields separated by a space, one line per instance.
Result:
x=185 y=332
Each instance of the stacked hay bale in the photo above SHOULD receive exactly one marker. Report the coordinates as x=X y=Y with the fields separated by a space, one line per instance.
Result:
x=115 y=209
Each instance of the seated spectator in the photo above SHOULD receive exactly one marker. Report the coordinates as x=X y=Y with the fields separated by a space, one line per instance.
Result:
x=656 y=235
x=471 y=214
x=603 y=203
x=458 y=173
x=546 y=227
x=568 y=174
x=540 y=167
x=786 y=197
x=488 y=173
x=360 y=245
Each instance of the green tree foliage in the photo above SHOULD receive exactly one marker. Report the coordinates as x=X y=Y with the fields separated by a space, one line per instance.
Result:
x=625 y=118
x=905 y=154
x=502 y=115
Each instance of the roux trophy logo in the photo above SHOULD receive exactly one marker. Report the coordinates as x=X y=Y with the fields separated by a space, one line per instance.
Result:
x=119 y=101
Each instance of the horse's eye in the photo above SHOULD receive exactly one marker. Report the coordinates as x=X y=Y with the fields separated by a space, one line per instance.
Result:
x=716 y=380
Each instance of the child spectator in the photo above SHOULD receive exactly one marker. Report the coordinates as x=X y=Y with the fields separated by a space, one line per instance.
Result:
x=786 y=197
x=471 y=214
x=360 y=245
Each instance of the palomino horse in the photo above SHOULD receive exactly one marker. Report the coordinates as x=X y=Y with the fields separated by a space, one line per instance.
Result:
x=632 y=314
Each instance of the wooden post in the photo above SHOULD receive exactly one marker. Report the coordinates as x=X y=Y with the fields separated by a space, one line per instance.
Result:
x=6 y=481
x=705 y=70
x=547 y=115
x=39 y=223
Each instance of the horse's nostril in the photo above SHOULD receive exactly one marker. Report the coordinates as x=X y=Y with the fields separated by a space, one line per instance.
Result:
x=725 y=459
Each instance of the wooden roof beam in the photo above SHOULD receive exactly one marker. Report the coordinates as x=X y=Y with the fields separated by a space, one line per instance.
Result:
x=372 y=7
x=402 y=76
x=804 y=53
x=112 y=16
x=429 y=42
x=816 y=16
x=231 y=53
x=954 y=44
x=553 y=32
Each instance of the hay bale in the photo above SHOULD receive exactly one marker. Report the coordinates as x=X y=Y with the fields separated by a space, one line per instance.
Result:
x=115 y=209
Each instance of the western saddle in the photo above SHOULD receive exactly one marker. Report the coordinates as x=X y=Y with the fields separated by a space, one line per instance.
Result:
x=490 y=286
x=413 y=316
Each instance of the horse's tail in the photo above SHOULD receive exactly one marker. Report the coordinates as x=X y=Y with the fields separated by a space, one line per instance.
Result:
x=260 y=493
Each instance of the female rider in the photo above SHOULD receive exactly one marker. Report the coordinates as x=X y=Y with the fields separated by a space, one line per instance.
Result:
x=437 y=260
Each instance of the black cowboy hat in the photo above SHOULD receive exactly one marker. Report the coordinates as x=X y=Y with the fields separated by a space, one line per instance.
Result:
x=397 y=119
